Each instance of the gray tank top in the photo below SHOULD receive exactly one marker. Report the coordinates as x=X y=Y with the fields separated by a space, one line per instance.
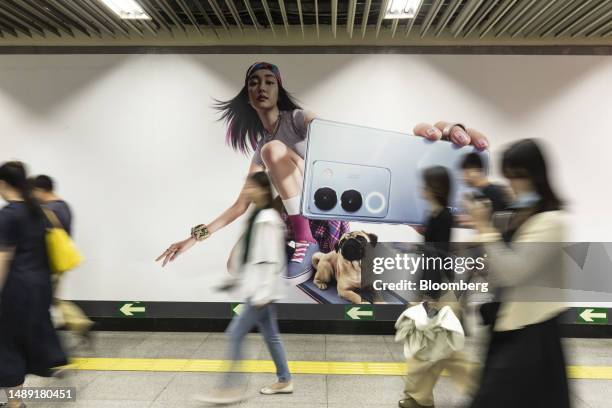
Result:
x=291 y=130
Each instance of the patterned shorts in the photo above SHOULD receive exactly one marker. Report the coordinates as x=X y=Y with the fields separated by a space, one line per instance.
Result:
x=326 y=233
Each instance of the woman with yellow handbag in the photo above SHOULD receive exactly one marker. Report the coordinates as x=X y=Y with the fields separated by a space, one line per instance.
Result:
x=28 y=341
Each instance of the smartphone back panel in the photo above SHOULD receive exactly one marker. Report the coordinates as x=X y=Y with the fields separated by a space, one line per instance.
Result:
x=363 y=174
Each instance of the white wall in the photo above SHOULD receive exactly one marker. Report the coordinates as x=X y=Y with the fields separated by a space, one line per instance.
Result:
x=134 y=145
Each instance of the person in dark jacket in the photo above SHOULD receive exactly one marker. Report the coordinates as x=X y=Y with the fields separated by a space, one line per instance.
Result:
x=28 y=341
x=422 y=375
x=474 y=176
x=73 y=318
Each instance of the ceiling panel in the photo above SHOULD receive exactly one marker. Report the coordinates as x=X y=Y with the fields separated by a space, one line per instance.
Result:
x=453 y=21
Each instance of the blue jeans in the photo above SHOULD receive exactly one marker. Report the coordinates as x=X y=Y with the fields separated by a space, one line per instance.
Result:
x=265 y=320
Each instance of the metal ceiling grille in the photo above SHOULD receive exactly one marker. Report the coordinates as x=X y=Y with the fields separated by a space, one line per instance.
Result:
x=546 y=19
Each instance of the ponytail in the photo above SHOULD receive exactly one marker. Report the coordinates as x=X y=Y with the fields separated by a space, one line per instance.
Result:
x=29 y=200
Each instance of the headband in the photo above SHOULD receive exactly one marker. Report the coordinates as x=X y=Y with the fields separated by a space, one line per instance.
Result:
x=263 y=65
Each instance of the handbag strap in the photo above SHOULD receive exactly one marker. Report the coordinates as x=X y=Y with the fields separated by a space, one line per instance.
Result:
x=55 y=222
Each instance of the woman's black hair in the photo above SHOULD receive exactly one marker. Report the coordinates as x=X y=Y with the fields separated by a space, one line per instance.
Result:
x=261 y=179
x=15 y=175
x=244 y=128
x=437 y=181
x=525 y=159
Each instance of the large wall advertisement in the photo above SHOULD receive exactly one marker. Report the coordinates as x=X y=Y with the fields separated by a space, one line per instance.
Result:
x=137 y=147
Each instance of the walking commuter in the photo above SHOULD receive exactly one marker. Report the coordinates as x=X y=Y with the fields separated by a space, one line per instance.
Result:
x=474 y=176
x=28 y=341
x=423 y=374
x=525 y=363
x=73 y=318
x=258 y=264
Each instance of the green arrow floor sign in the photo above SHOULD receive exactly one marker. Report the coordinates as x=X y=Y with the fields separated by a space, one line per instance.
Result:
x=358 y=312
x=592 y=315
x=132 y=309
x=237 y=308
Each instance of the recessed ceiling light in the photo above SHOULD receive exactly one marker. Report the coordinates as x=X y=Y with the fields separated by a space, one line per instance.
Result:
x=127 y=9
x=402 y=8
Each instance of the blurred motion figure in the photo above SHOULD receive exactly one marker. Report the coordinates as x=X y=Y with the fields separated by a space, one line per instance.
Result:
x=72 y=317
x=257 y=265
x=525 y=363
x=474 y=176
x=28 y=341
x=423 y=374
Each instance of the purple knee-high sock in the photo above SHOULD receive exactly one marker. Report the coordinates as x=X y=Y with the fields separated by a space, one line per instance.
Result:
x=301 y=228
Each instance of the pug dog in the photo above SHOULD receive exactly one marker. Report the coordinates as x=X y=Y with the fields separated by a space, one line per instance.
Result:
x=344 y=264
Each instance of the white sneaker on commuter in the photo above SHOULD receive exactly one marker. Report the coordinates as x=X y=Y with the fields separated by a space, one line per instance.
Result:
x=277 y=388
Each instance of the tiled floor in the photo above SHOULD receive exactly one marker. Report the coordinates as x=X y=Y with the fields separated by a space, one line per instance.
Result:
x=138 y=389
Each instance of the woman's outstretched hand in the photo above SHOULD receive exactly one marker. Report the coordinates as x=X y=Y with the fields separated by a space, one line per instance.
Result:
x=457 y=135
x=175 y=250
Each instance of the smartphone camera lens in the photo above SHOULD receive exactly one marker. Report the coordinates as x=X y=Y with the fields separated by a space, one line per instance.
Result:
x=375 y=202
x=325 y=198
x=351 y=200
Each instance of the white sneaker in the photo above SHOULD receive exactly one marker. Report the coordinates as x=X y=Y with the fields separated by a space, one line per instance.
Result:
x=277 y=388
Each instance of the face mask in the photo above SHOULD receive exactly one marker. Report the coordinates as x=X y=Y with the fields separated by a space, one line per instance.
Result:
x=526 y=200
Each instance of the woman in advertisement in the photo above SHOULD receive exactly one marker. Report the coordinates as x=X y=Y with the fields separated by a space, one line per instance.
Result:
x=265 y=118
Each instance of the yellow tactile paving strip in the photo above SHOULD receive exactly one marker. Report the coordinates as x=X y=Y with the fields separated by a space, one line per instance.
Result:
x=296 y=367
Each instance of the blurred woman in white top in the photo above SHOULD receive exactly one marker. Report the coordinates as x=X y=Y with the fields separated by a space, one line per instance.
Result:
x=258 y=264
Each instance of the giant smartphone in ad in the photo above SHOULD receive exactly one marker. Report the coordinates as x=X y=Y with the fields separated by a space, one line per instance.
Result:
x=358 y=173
